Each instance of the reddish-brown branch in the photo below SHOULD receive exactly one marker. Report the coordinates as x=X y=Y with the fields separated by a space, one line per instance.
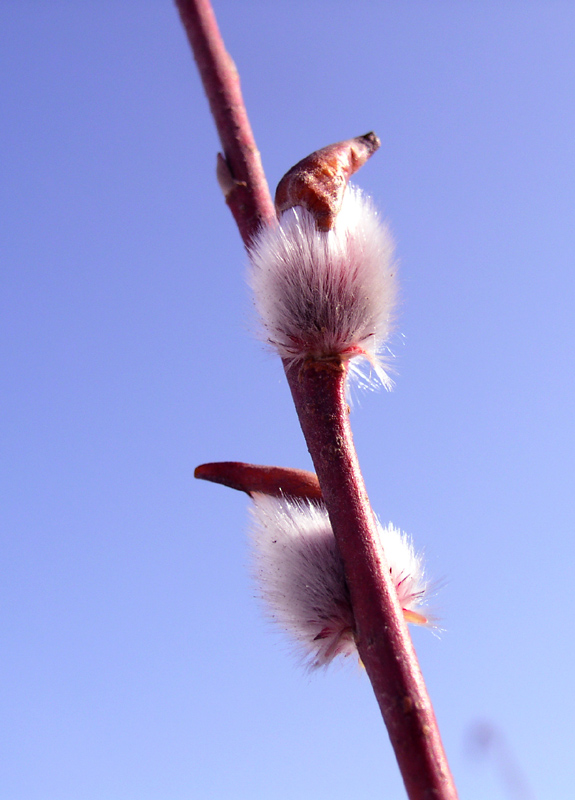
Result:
x=383 y=640
x=241 y=174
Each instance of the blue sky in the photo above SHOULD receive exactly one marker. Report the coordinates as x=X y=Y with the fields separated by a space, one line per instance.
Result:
x=136 y=664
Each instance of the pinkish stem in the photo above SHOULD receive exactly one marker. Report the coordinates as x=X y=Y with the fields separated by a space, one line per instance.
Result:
x=240 y=174
x=384 y=643
x=383 y=640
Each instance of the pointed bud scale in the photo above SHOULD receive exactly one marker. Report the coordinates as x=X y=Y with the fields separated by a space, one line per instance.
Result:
x=250 y=478
x=326 y=293
x=318 y=181
x=300 y=575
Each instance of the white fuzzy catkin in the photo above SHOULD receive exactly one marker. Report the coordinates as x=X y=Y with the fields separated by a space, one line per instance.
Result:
x=300 y=575
x=326 y=294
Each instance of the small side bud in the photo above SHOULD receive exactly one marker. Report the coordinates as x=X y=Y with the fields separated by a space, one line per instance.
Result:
x=226 y=180
x=318 y=182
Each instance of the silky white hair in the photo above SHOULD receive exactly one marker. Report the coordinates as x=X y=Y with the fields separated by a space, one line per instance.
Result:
x=326 y=294
x=300 y=576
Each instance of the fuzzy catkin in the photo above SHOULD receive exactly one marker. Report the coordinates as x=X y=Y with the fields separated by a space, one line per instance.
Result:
x=326 y=294
x=299 y=572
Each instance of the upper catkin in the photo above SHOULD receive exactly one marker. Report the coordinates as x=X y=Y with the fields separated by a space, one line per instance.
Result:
x=326 y=295
x=300 y=575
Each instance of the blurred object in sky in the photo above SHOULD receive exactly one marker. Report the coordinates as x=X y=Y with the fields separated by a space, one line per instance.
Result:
x=485 y=740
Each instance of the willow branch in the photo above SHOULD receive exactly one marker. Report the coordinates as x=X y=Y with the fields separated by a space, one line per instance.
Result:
x=240 y=172
x=384 y=643
x=383 y=640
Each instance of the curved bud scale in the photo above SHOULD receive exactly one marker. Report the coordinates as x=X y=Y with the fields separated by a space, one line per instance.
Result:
x=318 y=182
x=274 y=481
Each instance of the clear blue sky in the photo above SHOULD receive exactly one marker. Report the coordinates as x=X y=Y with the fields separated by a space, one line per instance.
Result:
x=135 y=661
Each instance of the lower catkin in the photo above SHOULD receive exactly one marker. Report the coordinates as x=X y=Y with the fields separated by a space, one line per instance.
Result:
x=301 y=580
